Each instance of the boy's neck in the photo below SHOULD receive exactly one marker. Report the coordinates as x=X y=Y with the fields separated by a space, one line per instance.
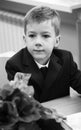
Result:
x=42 y=65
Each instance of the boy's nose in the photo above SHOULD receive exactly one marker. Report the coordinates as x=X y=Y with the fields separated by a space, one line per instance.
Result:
x=38 y=42
x=38 y=45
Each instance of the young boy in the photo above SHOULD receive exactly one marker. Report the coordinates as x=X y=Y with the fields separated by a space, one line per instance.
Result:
x=42 y=36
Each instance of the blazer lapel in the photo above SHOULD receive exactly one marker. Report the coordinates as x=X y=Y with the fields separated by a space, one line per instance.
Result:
x=37 y=76
x=53 y=71
x=31 y=67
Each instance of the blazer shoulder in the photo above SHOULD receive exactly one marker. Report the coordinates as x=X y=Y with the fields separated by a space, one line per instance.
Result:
x=18 y=56
x=60 y=53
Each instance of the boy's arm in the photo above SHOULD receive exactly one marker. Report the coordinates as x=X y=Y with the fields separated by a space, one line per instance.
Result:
x=75 y=75
x=10 y=69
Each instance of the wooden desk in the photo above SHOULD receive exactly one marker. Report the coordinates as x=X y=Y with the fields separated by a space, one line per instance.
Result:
x=66 y=105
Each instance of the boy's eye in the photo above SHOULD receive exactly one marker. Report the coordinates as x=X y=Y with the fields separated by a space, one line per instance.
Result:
x=46 y=36
x=32 y=35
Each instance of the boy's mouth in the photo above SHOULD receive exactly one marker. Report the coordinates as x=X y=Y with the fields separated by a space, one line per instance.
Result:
x=38 y=50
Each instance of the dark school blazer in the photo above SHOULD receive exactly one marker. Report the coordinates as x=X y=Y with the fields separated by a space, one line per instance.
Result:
x=62 y=73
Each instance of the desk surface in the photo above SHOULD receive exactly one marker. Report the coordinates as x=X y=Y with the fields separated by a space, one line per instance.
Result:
x=66 y=105
x=61 y=5
x=7 y=54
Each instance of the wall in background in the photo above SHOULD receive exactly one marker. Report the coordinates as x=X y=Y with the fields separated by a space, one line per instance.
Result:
x=11 y=31
x=69 y=40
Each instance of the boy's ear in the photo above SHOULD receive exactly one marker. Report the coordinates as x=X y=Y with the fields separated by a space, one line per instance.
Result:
x=57 y=41
x=24 y=38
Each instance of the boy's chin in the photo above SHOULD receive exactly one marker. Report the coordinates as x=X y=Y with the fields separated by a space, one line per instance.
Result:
x=41 y=61
x=39 y=57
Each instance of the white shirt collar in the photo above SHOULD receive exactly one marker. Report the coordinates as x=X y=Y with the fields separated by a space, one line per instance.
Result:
x=40 y=66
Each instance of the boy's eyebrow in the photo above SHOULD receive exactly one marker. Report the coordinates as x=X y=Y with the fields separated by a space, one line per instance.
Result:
x=45 y=32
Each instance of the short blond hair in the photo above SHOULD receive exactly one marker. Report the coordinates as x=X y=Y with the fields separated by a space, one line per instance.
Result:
x=42 y=13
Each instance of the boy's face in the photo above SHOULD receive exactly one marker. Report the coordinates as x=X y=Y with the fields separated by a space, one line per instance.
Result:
x=40 y=40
